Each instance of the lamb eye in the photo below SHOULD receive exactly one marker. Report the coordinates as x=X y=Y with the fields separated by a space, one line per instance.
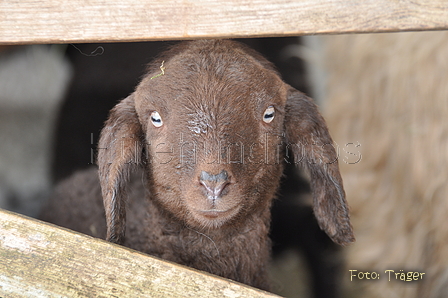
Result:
x=269 y=114
x=156 y=119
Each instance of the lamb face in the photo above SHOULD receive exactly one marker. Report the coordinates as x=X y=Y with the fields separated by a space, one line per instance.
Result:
x=212 y=118
x=214 y=129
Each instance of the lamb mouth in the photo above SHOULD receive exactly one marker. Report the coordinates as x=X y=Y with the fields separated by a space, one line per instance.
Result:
x=215 y=213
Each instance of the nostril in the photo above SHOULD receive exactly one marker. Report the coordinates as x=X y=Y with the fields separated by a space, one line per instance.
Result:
x=206 y=176
x=214 y=184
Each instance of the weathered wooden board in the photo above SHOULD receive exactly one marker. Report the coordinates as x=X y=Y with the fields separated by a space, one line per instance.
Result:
x=60 y=21
x=42 y=260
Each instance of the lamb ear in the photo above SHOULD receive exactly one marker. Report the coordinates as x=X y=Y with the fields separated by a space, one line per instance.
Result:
x=119 y=150
x=308 y=138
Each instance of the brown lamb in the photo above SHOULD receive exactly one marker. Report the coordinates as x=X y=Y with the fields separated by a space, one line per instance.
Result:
x=195 y=155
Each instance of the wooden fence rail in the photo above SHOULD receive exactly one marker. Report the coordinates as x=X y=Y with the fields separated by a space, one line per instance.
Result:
x=42 y=260
x=60 y=21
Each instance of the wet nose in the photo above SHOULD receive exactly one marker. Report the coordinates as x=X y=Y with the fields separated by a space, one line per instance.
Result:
x=214 y=184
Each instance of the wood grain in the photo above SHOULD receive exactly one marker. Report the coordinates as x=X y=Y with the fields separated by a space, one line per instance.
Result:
x=42 y=260
x=60 y=21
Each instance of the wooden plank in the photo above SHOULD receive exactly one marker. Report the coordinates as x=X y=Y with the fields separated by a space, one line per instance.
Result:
x=42 y=260
x=60 y=21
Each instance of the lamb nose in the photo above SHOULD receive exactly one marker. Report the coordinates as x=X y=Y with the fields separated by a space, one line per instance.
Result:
x=214 y=184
